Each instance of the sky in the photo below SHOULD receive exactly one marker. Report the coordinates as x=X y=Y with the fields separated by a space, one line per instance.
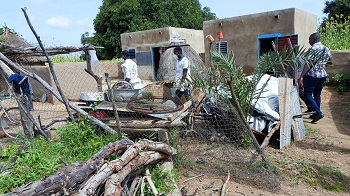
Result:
x=62 y=22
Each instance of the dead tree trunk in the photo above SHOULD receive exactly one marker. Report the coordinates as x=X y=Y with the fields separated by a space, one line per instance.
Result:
x=91 y=73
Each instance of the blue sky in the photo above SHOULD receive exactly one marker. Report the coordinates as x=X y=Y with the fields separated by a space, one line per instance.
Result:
x=62 y=22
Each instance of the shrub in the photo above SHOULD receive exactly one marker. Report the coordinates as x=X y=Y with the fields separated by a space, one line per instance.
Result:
x=341 y=82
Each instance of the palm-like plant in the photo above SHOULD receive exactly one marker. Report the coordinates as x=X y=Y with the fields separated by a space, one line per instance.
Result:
x=224 y=69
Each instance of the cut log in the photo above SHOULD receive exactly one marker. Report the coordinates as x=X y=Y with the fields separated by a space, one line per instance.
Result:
x=71 y=175
x=113 y=185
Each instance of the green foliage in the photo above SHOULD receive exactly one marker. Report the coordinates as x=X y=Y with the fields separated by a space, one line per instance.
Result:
x=67 y=58
x=336 y=7
x=335 y=32
x=161 y=180
x=6 y=153
x=247 y=141
x=328 y=178
x=117 y=17
x=76 y=142
x=223 y=70
x=341 y=82
x=148 y=96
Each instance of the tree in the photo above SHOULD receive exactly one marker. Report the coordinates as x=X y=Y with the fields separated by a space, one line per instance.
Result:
x=120 y=16
x=337 y=7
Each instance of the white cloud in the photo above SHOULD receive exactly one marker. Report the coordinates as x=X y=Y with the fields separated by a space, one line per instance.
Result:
x=59 y=21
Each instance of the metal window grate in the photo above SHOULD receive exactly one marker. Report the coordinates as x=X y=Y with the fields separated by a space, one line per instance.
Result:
x=222 y=47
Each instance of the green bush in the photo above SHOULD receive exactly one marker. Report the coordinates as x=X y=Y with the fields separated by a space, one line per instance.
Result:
x=341 y=82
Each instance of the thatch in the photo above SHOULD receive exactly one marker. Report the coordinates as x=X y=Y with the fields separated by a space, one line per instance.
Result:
x=167 y=64
x=12 y=41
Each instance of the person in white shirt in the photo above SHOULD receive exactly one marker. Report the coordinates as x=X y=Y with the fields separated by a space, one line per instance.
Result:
x=183 y=75
x=129 y=68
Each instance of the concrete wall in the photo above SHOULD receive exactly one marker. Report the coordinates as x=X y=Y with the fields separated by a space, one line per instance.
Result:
x=341 y=63
x=38 y=89
x=305 y=24
x=242 y=32
x=144 y=41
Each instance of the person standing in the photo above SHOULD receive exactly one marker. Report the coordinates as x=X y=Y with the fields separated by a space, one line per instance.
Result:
x=129 y=68
x=314 y=76
x=183 y=75
x=295 y=72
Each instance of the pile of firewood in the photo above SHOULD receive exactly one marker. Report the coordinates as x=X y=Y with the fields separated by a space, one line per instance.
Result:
x=102 y=176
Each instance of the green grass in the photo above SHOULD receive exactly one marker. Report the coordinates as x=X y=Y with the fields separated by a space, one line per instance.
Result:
x=72 y=57
x=328 y=178
x=75 y=142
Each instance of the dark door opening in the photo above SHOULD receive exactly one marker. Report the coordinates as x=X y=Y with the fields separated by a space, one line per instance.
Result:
x=266 y=45
x=156 y=51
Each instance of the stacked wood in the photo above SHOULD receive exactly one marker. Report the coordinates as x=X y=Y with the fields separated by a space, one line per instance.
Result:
x=99 y=174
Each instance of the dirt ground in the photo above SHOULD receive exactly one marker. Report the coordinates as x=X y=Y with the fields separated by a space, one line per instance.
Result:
x=327 y=143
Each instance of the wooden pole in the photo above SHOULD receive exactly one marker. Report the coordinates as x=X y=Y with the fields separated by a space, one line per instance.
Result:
x=111 y=95
x=249 y=131
x=65 y=101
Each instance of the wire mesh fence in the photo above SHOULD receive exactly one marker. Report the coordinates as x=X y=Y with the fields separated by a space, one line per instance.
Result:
x=212 y=135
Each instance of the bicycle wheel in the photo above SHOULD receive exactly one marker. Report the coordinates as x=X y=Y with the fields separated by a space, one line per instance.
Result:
x=11 y=122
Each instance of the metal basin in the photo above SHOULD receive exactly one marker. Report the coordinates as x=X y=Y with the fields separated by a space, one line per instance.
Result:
x=127 y=94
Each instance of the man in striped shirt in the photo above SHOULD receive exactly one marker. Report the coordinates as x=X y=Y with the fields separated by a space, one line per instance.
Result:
x=314 y=76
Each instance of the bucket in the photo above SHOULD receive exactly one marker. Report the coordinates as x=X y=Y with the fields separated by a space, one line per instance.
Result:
x=210 y=38
x=220 y=35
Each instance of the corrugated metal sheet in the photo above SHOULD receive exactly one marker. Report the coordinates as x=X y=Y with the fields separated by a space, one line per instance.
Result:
x=285 y=90
x=298 y=123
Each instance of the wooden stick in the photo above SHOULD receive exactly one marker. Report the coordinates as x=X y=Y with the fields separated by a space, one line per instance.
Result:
x=137 y=187
x=193 y=178
x=150 y=182
x=134 y=183
x=41 y=81
x=65 y=101
x=248 y=129
x=143 y=186
x=111 y=95
x=267 y=138
x=224 y=185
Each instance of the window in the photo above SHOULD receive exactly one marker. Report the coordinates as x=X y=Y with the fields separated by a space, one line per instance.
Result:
x=132 y=53
x=221 y=46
